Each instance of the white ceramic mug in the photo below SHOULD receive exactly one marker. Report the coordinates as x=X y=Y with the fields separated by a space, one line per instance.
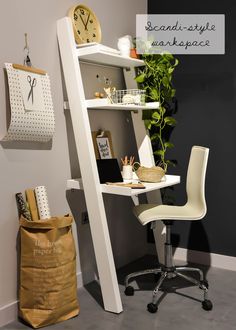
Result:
x=127 y=172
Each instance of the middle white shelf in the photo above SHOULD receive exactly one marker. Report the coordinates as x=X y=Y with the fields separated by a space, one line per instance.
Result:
x=105 y=105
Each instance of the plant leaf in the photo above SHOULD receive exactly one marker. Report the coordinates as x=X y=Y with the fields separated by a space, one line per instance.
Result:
x=169 y=145
x=155 y=136
x=170 y=121
x=159 y=152
x=156 y=115
x=154 y=122
x=165 y=81
x=140 y=79
x=147 y=123
x=173 y=91
x=176 y=62
x=154 y=94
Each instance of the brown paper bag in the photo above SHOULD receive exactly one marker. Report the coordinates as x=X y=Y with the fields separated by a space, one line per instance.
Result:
x=48 y=286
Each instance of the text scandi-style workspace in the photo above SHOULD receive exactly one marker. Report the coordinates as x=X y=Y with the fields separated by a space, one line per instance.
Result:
x=71 y=57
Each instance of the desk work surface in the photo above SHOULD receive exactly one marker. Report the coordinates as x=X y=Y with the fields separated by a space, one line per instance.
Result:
x=170 y=180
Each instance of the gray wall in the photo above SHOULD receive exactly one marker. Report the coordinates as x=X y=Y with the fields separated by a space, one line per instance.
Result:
x=28 y=165
x=206 y=116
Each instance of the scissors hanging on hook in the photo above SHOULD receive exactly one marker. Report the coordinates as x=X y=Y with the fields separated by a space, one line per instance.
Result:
x=32 y=83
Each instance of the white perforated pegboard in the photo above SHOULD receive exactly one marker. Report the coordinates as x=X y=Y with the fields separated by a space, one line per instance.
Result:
x=29 y=125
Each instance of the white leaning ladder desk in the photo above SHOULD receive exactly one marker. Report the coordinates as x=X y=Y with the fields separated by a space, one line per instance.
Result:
x=93 y=190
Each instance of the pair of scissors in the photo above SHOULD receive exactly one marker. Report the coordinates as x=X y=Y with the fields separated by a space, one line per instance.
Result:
x=32 y=85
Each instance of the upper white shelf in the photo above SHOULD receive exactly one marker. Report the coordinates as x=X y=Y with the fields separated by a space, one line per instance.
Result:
x=105 y=105
x=170 y=180
x=97 y=56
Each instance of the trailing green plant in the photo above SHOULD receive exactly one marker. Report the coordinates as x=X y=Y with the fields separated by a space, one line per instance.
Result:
x=156 y=78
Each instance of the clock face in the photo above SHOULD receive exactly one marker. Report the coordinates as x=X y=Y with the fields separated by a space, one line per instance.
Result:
x=86 y=25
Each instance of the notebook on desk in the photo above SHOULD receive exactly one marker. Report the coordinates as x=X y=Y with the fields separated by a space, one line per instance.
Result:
x=108 y=170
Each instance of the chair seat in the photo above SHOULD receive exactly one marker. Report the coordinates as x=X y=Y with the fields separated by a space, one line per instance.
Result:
x=153 y=212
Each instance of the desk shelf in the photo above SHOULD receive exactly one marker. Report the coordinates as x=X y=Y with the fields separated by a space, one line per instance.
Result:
x=126 y=191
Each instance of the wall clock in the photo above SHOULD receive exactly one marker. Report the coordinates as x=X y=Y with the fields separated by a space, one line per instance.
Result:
x=85 y=24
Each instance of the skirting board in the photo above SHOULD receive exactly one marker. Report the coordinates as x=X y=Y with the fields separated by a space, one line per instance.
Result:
x=204 y=258
x=79 y=280
x=9 y=312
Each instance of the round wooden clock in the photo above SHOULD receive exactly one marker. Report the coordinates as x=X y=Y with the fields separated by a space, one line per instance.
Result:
x=85 y=24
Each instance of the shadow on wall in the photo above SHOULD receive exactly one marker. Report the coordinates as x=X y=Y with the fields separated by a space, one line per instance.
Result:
x=89 y=273
x=26 y=145
x=193 y=254
x=77 y=204
x=74 y=161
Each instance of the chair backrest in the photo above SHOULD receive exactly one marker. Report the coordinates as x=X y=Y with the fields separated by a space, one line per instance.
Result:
x=195 y=184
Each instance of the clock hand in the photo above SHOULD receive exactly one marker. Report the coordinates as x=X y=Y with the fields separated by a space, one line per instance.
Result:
x=82 y=21
x=87 y=22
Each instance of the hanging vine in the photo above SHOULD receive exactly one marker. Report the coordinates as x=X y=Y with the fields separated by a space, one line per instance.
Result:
x=156 y=78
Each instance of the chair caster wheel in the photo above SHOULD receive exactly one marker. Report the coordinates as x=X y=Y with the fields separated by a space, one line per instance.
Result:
x=203 y=284
x=129 y=291
x=207 y=305
x=152 y=308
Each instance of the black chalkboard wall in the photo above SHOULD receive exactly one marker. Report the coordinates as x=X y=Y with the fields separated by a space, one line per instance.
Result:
x=206 y=86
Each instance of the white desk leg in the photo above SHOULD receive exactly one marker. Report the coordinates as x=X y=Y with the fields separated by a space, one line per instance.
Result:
x=135 y=200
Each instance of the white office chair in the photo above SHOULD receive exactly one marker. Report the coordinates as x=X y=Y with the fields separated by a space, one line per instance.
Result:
x=194 y=209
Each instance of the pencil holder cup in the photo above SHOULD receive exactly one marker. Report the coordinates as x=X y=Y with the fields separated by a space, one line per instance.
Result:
x=127 y=172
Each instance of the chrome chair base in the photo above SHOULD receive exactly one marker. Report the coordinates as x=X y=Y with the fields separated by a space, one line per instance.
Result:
x=168 y=271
